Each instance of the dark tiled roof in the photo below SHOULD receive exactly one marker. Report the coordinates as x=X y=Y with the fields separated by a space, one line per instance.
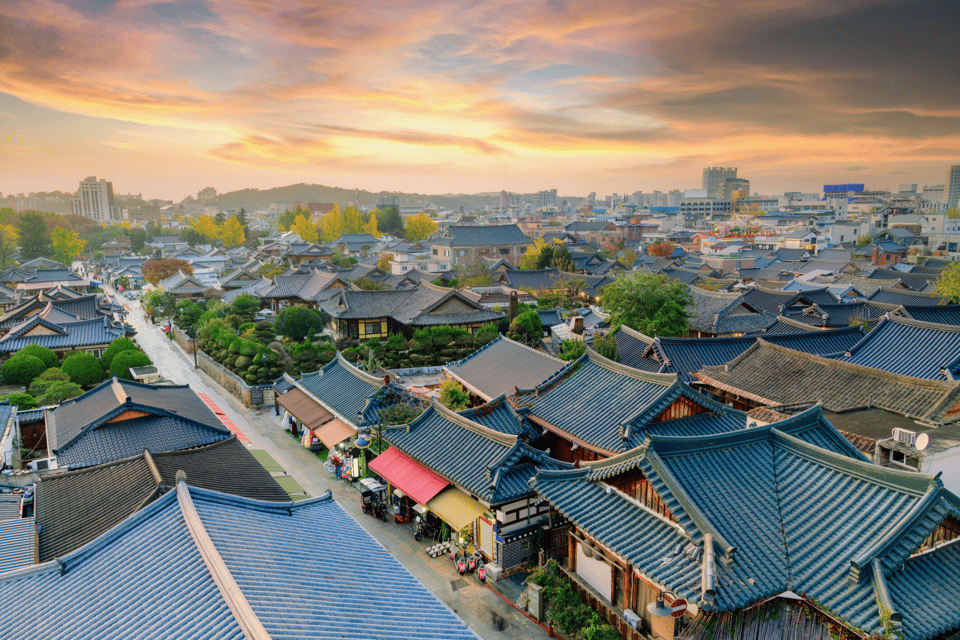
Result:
x=784 y=325
x=74 y=508
x=606 y=405
x=109 y=441
x=73 y=416
x=910 y=348
x=499 y=415
x=906 y=298
x=423 y=304
x=180 y=282
x=503 y=365
x=633 y=346
x=772 y=300
x=840 y=314
x=54 y=275
x=550 y=317
x=944 y=314
x=479 y=236
x=913 y=281
x=147 y=578
x=720 y=313
x=342 y=387
x=498 y=467
x=775 y=375
x=83 y=333
x=685 y=356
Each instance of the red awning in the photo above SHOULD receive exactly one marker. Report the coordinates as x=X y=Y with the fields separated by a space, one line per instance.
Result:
x=409 y=476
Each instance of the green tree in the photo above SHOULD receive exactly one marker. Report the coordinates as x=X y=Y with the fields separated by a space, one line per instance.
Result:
x=47 y=356
x=606 y=345
x=948 y=284
x=34 y=237
x=474 y=274
x=953 y=213
x=572 y=349
x=67 y=245
x=21 y=370
x=269 y=270
x=42 y=382
x=367 y=284
x=295 y=323
x=119 y=345
x=388 y=220
x=650 y=303
x=864 y=240
x=285 y=219
x=9 y=241
x=453 y=395
x=418 y=227
x=138 y=238
x=526 y=328
x=121 y=364
x=83 y=369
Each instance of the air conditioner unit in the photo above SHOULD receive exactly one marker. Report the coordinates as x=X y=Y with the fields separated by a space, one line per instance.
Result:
x=632 y=619
x=904 y=436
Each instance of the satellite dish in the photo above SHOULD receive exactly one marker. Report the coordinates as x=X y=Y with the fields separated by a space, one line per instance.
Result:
x=922 y=441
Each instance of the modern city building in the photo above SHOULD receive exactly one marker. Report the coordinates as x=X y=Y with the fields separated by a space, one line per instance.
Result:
x=94 y=199
x=714 y=179
x=730 y=185
x=953 y=186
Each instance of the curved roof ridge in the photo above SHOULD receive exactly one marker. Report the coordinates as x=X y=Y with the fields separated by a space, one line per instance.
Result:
x=779 y=292
x=477 y=428
x=730 y=295
x=633 y=333
x=665 y=379
x=615 y=460
x=356 y=371
x=911 y=482
x=791 y=322
x=920 y=324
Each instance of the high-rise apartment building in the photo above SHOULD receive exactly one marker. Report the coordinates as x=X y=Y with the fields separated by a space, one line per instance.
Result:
x=714 y=179
x=953 y=186
x=95 y=200
x=547 y=199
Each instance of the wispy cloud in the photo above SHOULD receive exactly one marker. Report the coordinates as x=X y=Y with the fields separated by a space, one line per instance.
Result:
x=505 y=91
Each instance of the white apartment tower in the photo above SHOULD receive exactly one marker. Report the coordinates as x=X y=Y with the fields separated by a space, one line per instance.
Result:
x=94 y=200
x=714 y=179
x=953 y=186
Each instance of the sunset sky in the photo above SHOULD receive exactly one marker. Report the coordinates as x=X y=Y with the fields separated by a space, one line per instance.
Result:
x=166 y=98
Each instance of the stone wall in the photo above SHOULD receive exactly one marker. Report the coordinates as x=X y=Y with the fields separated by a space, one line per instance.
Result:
x=186 y=342
x=231 y=382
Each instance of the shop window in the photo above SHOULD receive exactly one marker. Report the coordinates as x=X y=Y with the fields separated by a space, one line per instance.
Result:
x=461 y=253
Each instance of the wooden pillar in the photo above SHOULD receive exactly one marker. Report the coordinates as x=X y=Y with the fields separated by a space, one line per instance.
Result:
x=571 y=551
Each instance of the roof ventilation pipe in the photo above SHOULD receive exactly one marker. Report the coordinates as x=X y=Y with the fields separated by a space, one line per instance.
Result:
x=709 y=580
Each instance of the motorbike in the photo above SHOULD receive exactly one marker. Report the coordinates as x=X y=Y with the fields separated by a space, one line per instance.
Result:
x=481 y=572
x=424 y=529
x=379 y=510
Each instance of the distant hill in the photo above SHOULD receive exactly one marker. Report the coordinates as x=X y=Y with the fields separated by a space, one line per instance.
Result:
x=252 y=199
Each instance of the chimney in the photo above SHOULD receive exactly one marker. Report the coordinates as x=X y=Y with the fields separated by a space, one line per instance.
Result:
x=514 y=305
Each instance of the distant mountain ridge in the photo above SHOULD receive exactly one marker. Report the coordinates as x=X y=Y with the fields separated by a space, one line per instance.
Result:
x=252 y=199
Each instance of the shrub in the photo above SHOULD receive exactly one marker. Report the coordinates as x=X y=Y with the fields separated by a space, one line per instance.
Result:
x=58 y=392
x=119 y=345
x=84 y=369
x=606 y=345
x=453 y=395
x=120 y=365
x=22 y=370
x=23 y=401
x=46 y=379
x=70 y=354
x=572 y=349
x=48 y=357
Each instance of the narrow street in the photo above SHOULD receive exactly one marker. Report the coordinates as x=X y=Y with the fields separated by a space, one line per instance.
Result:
x=486 y=613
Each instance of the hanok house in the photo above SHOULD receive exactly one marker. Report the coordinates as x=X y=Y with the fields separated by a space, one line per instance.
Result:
x=470 y=470
x=377 y=314
x=202 y=564
x=600 y=408
x=502 y=366
x=183 y=286
x=466 y=243
x=46 y=278
x=238 y=278
x=302 y=289
x=60 y=332
x=115 y=247
x=119 y=419
x=717 y=313
x=724 y=522
x=76 y=507
x=84 y=307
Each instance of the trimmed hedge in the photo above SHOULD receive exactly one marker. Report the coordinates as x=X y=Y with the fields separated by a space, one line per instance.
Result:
x=83 y=369
x=22 y=369
x=120 y=366
x=48 y=357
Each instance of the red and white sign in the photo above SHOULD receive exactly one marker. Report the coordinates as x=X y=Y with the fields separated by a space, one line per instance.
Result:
x=679 y=607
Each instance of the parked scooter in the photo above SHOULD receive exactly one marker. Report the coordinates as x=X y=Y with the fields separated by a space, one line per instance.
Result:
x=424 y=529
x=481 y=572
x=379 y=510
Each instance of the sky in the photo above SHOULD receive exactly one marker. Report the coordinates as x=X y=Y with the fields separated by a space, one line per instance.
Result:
x=165 y=98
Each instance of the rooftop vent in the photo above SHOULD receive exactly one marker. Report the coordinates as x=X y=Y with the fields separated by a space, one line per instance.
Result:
x=904 y=436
